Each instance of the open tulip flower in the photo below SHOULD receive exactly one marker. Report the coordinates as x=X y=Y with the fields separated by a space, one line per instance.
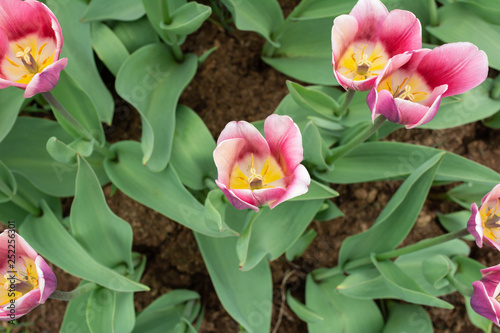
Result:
x=365 y=40
x=410 y=88
x=253 y=171
x=26 y=278
x=30 y=44
x=486 y=298
x=484 y=224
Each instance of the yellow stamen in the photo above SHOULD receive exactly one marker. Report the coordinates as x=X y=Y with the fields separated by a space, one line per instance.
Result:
x=41 y=49
x=25 y=55
x=11 y=62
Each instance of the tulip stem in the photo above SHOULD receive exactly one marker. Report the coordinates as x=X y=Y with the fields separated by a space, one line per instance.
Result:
x=166 y=13
x=69 y=295
x=426 y=243
x=172 y=38
x=345 y=104
x=61 y=111
x=278 y=33
x=364 y=135
x=26 y=205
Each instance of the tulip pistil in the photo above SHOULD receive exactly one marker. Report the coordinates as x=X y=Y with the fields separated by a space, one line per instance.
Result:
x=270 y=172
x=490 y=216
x=27 y=59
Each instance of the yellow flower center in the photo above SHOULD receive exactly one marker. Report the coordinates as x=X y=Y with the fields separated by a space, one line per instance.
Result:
x=18 y=280
x=245 y=175
x=490 y=217
x=27 y=57
x=411 y=88
x=359 y=63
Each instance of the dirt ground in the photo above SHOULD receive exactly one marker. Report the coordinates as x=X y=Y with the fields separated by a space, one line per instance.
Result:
x=234 y=84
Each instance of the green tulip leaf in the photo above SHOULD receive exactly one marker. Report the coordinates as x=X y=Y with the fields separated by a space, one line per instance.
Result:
x=341 y=313
x=315 y=149
x=152 y=81
x=154 y=12
x=108 y=47
x=314 y=101
x=122 y=10
x=246 y=295
x=407 y=317
x=77 y=48
x=300 y=246
x=260 y=16
x=91 y=216
x=100 y=310
x=187 y=19
x=135 y=34
x=329 y=211
x=456 y=221
x=316 y=191
x=67 y=154
x=27 y=155
x=161 y=191
x=192 y=150
x=467 y=193
x=12 y=99
x=8 y=184
x=47 y=236
x=302 y=311
x=75 y=318
x=258 y=240
x=396 y=160
x=398 y=217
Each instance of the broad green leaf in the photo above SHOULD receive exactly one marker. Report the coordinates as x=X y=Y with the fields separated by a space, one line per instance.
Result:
x=398 y=217
x=215 y=210
x=154 y=12
x=456 y=221
x=108 y=47
x=9 y=211
x=328 y=211
x=469 y=107
x=12 y=99
x=91 y=216
x=366 y=283
x=305 y=52
x=77 y=48
x=468 y=271
x=316 y=191
x=457 y=23
x=75 y=319
x=486 y=9
x=289 y=220
x=405 y=287
x=326 y=9
x=412 y=264
x=314 y=101
x=395 y=160
x=436 y=268
x=8 y=184
x=260 y=16
x=407 y=318
x=135 y=34
x=315 y=149
x=161 y=191
x=467 y=193
x=101 y=310
x=192 y=150
x=165 y=313
x=246 y=296
x=78 y=103
x=27 y=155
x=302 y=311
x=66 y=154
x=341 y=313
x=48 y=237
x=301 y=245
x=187 y=19
x=152 y=81
x=122 y=10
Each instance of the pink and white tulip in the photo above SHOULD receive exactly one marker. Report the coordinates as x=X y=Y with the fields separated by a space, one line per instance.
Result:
x=486 y=297
x=30 y=45
x=26 y=278
x=484 y=224
x=365 y=40
x=410 y=88
x=253 y=171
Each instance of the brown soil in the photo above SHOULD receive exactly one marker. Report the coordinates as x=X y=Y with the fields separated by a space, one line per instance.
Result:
x=234 y=84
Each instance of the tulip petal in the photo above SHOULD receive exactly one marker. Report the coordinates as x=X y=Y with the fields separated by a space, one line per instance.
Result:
x=343 y=32
x=475 y=225
x=494 y=194
x=401 y=32
x=482 y=303
x=382 y=103
x=284 y=140
x=459 y=65
x=243 y=199
x=47 y=279
x=225 y=155
x=255 y=142
x=21 y=18
x=268 y=196
x=370 y=15
x=298 y=186
x=46 y=80
x=414 y=114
